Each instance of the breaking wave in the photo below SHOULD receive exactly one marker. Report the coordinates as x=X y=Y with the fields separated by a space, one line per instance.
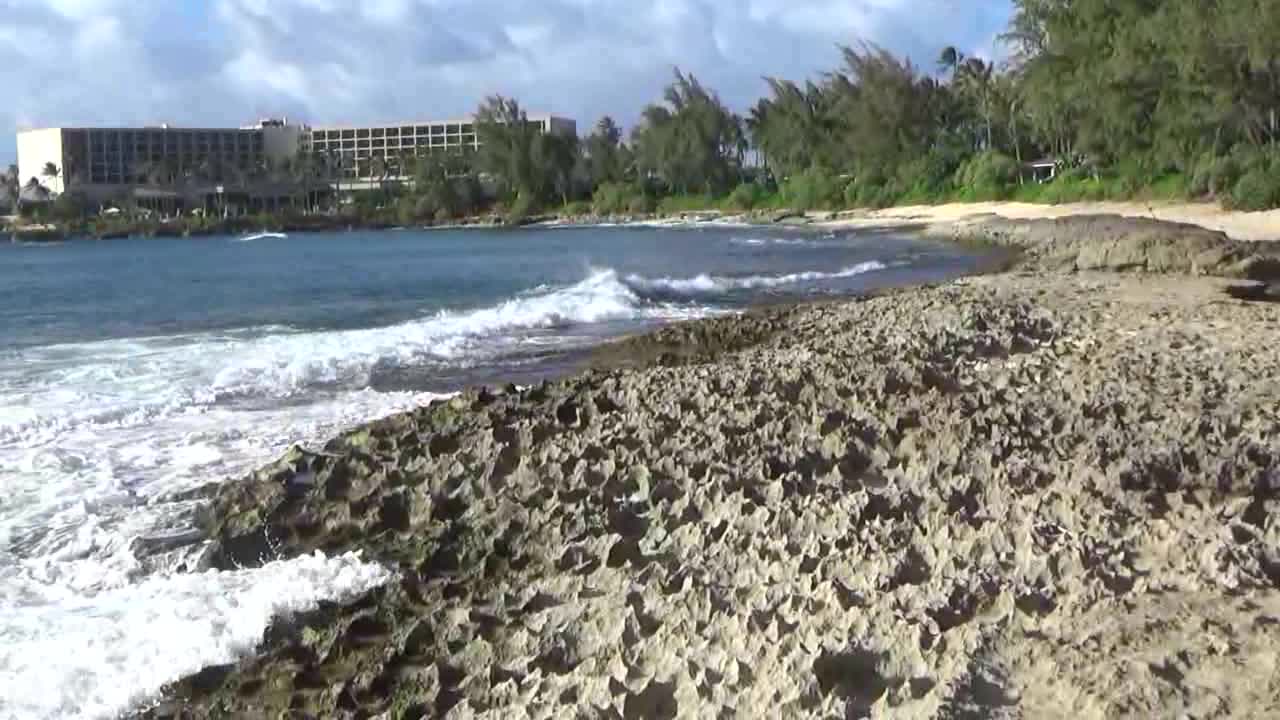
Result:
x=704 y=284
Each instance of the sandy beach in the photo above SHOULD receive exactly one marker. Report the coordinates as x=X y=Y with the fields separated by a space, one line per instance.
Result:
x=1031 y=494
x=1237 y=225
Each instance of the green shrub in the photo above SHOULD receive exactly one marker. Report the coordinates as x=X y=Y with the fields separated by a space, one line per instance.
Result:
x=676 y=204
x=406 y=213
x=747 y=196
x=988 y=176
x=576 y=208
x=927 y=179
x=622 y=198
x=1206 y=169
x=1248 y=158
x=641 y=203
x=1172 y=186
x=921 y=193
x=610 y=199
x=1130 y=177
x=814 y=189
x=850 y=195
x=521 y=208
x=870 y=191
x=1257 y=189
x=1223 y=174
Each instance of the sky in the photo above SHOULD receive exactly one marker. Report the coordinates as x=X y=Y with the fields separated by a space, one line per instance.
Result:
x=228 y=62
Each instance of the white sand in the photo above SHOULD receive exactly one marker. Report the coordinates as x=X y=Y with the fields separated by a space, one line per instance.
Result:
x=1238 y=225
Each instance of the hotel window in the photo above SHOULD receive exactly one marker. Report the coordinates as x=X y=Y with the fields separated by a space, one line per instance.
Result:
x=362 y=132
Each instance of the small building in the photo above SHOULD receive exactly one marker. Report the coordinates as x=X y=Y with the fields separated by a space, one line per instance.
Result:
x=1041 y=171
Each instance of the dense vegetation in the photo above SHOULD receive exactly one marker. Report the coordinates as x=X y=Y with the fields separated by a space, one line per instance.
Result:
x=1120 y=95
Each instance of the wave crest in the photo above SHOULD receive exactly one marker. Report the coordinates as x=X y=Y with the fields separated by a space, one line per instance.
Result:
x=705 y=284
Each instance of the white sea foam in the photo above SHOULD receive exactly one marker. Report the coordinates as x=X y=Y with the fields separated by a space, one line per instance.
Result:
x=91 y=434
x=74 y=657
x=705 y=284
x=126 y=383
x=763 y=241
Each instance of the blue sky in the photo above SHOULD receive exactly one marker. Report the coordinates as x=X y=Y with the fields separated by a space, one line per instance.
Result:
x=219 y=62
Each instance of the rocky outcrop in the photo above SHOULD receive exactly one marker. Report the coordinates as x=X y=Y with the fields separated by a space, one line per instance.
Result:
x=1023 y=495
x=1126 y=244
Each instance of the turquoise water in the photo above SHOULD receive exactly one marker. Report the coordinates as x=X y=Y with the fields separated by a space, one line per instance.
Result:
x=134 y=370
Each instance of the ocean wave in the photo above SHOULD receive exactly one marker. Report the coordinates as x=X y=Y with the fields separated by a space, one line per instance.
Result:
x=133 y=382
x=763 y=241
x=285 y=364
x=704 y=284
x=76 y=657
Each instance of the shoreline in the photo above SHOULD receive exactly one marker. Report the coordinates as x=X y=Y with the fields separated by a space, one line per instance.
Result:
x=944 y=220
x=774 y=481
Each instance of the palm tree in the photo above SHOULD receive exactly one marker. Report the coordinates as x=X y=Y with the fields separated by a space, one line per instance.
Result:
x=950 y=60
x=51 y=171
x=10 y=186
x=977 y=76
x=333 y=171
x=378 y=169
x=405 y=167
x=303 y=175
x=33 y=192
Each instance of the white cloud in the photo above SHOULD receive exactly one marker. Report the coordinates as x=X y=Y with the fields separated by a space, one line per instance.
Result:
x=228 y=61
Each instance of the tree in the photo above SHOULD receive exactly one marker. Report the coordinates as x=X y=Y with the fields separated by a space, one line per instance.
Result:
x=10 y=187
x=529 y=166
x=690 y=141
x=793 y=128
x=975 y=78
x=950 y=60
x=553 y=156
x=606 y=156
x=51 y=172
x=507 y=141
x=380 y=169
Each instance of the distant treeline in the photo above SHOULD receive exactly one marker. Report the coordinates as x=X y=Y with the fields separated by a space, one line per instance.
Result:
x=1165 y=98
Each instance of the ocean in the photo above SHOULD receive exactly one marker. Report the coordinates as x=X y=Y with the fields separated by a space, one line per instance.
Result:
x=133 y=371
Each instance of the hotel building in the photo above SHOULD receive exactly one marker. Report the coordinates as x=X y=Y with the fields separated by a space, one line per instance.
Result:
x=103 y=162
x=353 y=149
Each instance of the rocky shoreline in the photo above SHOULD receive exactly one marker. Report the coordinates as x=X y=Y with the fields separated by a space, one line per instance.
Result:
x=1037 y=493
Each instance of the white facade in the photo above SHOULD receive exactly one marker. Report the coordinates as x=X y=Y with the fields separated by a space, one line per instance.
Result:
x=351 y=149
x=103 y=161
x=36 y=148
